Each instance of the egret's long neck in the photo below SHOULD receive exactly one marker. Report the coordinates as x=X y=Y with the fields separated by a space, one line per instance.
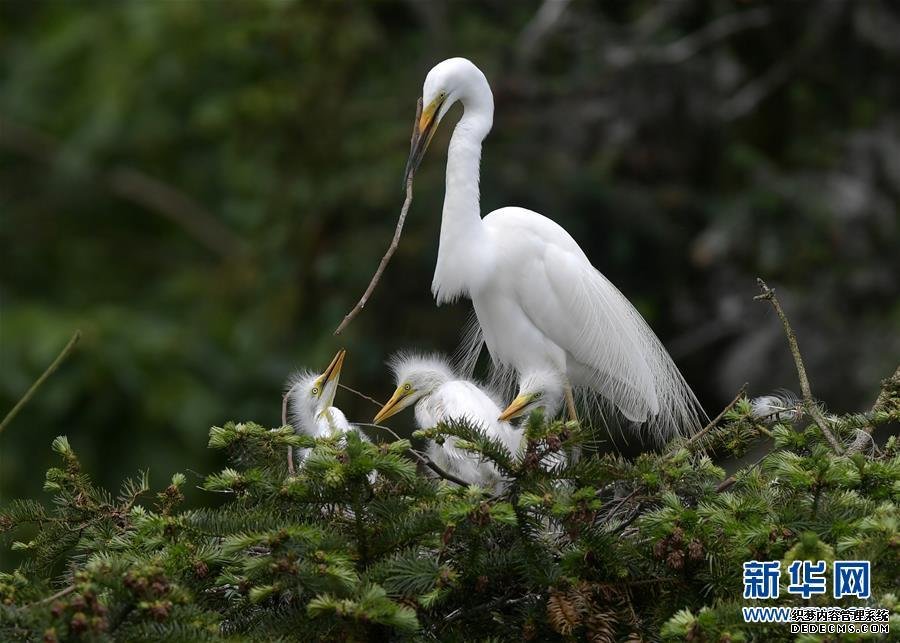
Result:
x=462 y=248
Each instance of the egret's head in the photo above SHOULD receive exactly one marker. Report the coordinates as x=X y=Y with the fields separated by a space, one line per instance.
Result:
x=538 y=389
x=417 y=376
x=449 y=81
x=311 y=394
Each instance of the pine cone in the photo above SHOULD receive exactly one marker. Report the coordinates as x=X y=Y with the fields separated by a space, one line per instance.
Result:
x=696 y=550
x=675 y=559
x=661 y=547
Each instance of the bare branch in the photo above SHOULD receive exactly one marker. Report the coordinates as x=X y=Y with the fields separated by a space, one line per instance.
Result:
x=719 y=417
x=284 y=422
x=63 y=592
x=888 y=390
x=728 y=482
x=362 y=395
x=394 y=242
x=426 y=461
x=809 y=403
x=64 y=353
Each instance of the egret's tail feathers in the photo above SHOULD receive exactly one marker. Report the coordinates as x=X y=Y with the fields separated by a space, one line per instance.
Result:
x=631 y=368
x=466 y=357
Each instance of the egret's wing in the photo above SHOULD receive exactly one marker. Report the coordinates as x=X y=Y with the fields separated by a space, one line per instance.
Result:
x=322 y=428
x=608 y=338
x=461 y=399
x=610 y=346
x=338 y=421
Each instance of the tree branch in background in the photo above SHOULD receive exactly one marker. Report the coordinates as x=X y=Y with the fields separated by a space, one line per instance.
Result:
x=394 y=242
x=756 y=90
x=132 y=185
x=538 y=28
x=809 y=403
x=656 y=17
x=37 y=384
x=174 y=205
x=684 y=48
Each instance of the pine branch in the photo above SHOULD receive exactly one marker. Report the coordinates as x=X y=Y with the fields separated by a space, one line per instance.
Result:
x=728 y=482
x=330 y=554
x=424 y=460
x=715 y=421
x=63 y=592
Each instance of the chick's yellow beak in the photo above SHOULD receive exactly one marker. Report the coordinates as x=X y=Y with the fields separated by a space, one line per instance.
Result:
x=516 y=408
x=425 y=128
x=332 y=373
x=393 y=405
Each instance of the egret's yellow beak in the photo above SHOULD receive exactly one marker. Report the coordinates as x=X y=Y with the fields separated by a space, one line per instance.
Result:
x=394 y=405
x=422 y=135
x=328 y=380
x=516 y=407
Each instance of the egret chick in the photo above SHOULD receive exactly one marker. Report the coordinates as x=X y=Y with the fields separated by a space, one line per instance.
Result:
x=539 y=389
x=311 y=403
x=440 y=395
x=539 y=301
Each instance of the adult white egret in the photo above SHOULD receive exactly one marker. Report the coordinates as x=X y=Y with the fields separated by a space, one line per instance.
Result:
x=540 y=303
x=310 y=400
x=439 y=395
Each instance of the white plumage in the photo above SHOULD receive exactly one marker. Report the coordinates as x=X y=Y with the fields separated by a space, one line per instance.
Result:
x=310 y=403
x=538 y=389
x=783 y=405
x=440 y=395
x=540 y=303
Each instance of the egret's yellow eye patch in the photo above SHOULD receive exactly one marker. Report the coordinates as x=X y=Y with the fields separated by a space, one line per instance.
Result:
x=429 y=113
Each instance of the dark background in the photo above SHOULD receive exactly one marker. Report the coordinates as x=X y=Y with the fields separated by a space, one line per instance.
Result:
x=204 y=189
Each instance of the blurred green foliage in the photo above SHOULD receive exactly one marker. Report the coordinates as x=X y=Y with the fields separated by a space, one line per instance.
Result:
x=205 y=188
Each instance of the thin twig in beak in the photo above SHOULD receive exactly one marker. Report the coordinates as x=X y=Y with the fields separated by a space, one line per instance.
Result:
x=394 y=242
